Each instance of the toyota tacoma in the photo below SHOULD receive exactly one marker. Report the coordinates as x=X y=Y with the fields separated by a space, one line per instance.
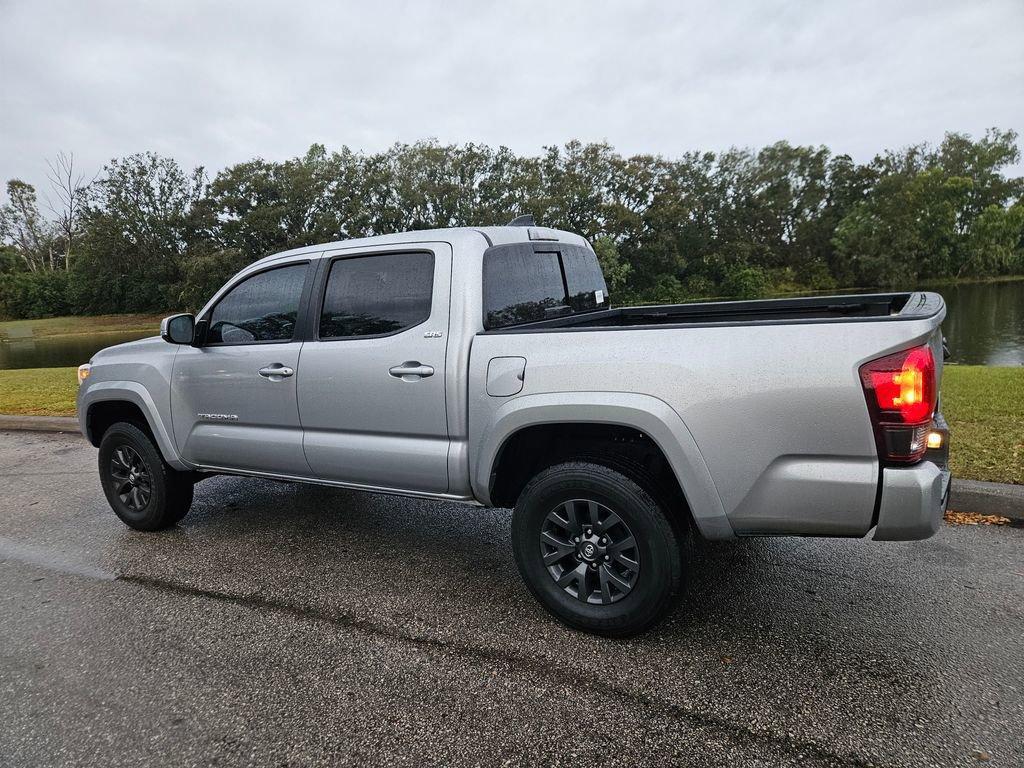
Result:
x=488 y=366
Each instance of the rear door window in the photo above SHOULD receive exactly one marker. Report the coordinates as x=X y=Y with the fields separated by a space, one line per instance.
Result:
x=377 y=295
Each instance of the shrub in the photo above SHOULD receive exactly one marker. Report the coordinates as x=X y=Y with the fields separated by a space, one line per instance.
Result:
x=34 y=294
x=745 y=282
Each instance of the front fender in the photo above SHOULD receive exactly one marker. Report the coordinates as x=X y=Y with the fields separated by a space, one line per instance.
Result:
x=645 y=413
x=138 y=395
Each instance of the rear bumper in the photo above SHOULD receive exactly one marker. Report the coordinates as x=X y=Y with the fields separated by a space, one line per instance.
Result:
x=914 y=499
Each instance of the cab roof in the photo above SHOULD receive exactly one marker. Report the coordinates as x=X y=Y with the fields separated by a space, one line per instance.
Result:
x=479 y=237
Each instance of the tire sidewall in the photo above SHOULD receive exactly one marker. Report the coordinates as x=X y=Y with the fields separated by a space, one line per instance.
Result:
x=152 y=516
x=660 y=566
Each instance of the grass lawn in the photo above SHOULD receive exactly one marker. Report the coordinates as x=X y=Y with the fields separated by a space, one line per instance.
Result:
x=984 y=407
x=985 y=410
x=39 y=391
x=72 y=326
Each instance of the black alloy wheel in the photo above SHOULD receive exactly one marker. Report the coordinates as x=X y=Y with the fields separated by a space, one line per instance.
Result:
x=134 y=480
x=589 y=551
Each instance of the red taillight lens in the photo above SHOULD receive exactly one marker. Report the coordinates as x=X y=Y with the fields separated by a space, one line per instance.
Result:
x=903 y=385
x=901 y=396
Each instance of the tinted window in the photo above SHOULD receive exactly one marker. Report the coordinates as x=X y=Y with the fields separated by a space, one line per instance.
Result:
x=521 y=286
x=373 y=295
x=526 y=282
x=584 y=280
x=263 y=307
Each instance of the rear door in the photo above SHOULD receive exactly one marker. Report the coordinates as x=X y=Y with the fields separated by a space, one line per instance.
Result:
x=233 y=399
x=372 y=385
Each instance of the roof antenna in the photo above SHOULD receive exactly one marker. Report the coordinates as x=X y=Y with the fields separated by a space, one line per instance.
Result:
x=523 y=221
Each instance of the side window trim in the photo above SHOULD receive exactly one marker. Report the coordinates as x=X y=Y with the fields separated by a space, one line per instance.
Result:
x=321 y=293
x=304 y=297
x=310 y=318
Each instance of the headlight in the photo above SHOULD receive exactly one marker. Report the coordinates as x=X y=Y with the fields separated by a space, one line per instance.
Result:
x=83 y=372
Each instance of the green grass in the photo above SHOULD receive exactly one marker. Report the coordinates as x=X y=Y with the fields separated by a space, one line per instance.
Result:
x=984 y=406
x=985 y=410
x=39 y=391
x=73 y=326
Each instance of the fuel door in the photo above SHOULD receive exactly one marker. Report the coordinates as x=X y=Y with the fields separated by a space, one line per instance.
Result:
x=505 y=376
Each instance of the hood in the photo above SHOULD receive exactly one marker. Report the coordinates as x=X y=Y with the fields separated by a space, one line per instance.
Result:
x=150 y=343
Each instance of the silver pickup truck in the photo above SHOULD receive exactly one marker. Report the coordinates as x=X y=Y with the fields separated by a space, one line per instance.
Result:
x=487 y=365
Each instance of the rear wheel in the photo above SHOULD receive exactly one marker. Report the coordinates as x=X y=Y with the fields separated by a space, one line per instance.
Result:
x=141 y=488
x=596 y=549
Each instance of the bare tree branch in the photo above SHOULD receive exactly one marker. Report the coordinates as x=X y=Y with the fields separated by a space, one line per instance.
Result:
x=70 y=189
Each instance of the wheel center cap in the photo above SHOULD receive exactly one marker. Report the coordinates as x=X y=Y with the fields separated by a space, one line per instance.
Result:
x=589 y=550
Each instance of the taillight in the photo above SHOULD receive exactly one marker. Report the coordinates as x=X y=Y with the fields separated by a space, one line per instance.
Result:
x=900 y=390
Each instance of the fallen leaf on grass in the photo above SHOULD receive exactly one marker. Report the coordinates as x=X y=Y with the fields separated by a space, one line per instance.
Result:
x=973 y=518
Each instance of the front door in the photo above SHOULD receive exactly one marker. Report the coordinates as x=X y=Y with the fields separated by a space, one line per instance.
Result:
x=372 y=384
x=233 y=399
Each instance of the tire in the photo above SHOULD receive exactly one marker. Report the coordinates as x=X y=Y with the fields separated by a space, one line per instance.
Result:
x=146 y=493
x=616 y=588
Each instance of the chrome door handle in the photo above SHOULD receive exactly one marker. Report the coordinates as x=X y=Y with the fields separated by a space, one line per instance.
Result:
x=276 y=370
x=411 y=370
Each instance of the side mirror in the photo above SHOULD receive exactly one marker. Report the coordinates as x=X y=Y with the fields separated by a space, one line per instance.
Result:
x=178 y=329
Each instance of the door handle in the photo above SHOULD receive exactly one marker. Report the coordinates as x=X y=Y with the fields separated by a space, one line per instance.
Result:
x=276 y=371
x=411 y=370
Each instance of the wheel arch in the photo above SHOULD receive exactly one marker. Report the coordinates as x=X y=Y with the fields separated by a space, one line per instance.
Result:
x=106 y=403
x=594 y=420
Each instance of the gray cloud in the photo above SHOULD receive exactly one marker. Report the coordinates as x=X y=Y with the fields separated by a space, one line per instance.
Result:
x=213 y=84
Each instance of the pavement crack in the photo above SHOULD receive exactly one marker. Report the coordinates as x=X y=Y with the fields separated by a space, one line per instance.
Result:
x=736 y=731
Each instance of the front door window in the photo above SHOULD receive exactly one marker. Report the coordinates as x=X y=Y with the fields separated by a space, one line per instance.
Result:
x=262 y=308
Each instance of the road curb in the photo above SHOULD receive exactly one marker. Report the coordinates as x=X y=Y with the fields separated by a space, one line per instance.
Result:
x=40 y=423
x=988 y=498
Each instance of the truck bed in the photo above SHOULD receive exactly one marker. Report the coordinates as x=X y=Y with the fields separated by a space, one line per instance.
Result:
x=767 y=391
x=814 y=309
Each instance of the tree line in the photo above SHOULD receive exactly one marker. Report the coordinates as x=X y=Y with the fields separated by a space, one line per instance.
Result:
x=146 y=235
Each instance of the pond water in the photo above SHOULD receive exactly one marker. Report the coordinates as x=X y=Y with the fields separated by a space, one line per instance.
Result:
x=985 y=323
x=984 y=326
x=57 y=351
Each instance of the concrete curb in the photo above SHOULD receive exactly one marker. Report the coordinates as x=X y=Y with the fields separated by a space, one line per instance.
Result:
x=967 y=495
x=988 y=498
x=40 y=423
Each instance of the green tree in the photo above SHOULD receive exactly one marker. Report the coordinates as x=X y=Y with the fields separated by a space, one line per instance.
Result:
x=259 y=207
x=24 y=227
x=10 y=260
x=137 y=234
x=995 y=242
x=615 y=269
x=983 y=162
x=740 y=222
x=205 y=273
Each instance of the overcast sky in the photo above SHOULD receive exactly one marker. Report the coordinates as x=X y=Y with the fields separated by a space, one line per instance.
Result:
x=216 y=83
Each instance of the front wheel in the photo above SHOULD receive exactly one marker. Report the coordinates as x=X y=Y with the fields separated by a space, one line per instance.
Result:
x=140 y=487
x=596 y=549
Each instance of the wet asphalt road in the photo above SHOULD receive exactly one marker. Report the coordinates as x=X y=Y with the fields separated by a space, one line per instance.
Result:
x=291 y=625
